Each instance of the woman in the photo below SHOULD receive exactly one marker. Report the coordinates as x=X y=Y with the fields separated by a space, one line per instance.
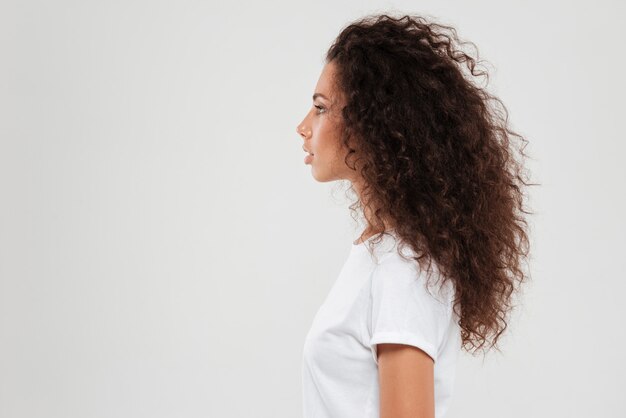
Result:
x=432 y=163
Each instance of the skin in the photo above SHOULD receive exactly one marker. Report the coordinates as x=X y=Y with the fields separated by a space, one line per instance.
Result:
x=406 y=379
x=321 y=131
x=406 y=373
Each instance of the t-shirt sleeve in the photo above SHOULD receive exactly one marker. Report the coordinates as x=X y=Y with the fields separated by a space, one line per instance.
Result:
x=403 y=311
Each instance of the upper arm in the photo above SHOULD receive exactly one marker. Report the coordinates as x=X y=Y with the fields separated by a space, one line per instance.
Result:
x=406 y=326
x=406 y=379
x=403 y=310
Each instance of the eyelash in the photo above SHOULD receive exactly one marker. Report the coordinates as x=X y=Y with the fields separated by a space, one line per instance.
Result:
x=320 y=108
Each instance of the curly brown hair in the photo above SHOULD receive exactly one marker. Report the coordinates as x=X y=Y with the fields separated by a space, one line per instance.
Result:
x=437 y=159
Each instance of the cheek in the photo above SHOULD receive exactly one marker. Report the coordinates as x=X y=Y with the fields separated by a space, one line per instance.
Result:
x=328 y=143
x=330 y=139
x=325 y=149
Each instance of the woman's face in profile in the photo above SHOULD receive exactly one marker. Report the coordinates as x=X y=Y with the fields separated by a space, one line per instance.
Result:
x=321 y=131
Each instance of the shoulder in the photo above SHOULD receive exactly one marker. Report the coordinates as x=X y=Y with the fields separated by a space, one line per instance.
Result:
x=407 y=305
x=401 y=272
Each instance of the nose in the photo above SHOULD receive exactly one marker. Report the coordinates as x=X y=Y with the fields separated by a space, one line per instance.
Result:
x=302 y=131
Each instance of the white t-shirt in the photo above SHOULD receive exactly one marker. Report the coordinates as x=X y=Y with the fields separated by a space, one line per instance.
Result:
x=379 y=299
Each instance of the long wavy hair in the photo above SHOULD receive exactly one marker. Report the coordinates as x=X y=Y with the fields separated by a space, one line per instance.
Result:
x=438 y=161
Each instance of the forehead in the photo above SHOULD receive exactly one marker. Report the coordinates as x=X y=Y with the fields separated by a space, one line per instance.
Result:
x=326 y=82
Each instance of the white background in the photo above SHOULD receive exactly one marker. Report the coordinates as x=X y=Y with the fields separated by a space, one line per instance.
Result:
x=163 y=247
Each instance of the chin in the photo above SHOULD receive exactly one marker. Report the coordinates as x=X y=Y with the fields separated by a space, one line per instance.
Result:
x=320 y=177
x=323 y=177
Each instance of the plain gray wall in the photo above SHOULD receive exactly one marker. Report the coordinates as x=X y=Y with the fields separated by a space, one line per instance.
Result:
x=163 y=247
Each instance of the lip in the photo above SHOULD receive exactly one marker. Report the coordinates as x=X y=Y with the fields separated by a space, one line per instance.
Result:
x=306 y=150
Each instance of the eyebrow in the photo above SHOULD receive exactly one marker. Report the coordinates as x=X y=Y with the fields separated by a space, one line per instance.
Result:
x=316 y=95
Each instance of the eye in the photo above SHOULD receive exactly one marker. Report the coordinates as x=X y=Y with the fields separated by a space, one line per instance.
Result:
x=320 y=109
